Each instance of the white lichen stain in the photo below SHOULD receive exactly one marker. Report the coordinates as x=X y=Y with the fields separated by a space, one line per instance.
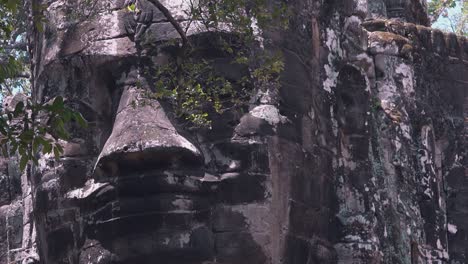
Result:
x=376 y=196
x=257 y=32
x=223 y=160
x=452 y=228
x=352 y=20
x=428 y=193
x=334 y=121
x=397 y=144
x=334 y=52
x=405 y=130
x=184 y=239
x=439 y=245
x=182 y=204
x=361 y=6
x=370 y=73
x=377 y=47
x=235 y=164
x=353 y=238
x=89 y=188
x=407 y=79
x=170 y=179
x=178 y=8
x=269 y=113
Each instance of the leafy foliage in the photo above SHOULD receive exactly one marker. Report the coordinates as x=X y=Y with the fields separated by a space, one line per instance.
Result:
x=9 y=10
x=196 y=89
x=192 y=84
x=29 y=127
x=455 y=11
x=244 y=17
x=13 y=56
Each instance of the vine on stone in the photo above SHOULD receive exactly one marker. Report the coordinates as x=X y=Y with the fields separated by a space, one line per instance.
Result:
x=236 y=28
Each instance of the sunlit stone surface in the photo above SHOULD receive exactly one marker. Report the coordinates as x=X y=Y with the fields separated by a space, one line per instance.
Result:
x=357 y=158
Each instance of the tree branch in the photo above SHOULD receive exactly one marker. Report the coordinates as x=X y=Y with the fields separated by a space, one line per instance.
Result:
x=22 y=75
x=438 y=11
x=172 y=20
x=9 y=91
x=16 y=46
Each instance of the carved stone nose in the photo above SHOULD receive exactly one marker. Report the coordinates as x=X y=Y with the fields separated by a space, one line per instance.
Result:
x=144 y=137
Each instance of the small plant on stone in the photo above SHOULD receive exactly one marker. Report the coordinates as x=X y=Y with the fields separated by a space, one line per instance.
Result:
x=235 y=29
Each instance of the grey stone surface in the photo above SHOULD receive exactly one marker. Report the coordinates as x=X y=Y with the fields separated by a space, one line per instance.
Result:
x=357 y=158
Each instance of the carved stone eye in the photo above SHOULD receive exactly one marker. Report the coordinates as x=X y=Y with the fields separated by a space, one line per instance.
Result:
x=351 y=101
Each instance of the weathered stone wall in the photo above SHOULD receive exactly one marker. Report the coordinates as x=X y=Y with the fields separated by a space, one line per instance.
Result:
x=357 y=158
x=382 y=127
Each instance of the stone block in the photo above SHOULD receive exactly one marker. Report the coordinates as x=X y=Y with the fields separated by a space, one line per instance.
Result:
x=463 y=41
x=243 y=188
x=425 y=37
x=452 y=45
x=238 y=247
x=308 y=222
x=227 y=220
x=297 y=250
x=438 y=42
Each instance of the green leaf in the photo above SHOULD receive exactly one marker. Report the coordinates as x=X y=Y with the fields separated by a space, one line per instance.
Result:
x=26 y=136
x=67 y=115
x=58 y=103
x=47 y=147
x=131 y=8
x=60 y=130
x=80 y=120
x=57 y=153
x=23 y=162
x=22 y=150
x=3 y=130
x=4 y=151
x=12 y=5
x=35 y=160
x=36 y=145
x=59 y=147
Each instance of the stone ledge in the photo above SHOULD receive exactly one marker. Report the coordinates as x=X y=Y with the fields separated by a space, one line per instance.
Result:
x=421 y=38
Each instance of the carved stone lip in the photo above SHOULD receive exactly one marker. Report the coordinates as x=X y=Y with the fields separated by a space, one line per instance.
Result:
x=151 y=183
x=133 y=216
x=150 y=193
x=158 y=206
x=155 y=182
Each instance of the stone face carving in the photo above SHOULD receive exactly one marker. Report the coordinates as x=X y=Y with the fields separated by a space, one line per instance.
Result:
x=138 y=186
x=356 y=158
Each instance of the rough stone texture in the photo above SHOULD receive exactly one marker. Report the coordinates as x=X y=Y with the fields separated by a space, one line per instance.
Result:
x=357 y=158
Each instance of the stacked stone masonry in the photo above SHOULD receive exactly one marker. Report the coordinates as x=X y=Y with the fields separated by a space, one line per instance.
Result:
x=359 y=156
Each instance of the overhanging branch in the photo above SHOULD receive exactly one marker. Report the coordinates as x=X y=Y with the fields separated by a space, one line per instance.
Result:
x=172 y=20
x=16 y=46
x=438 y=11
x=22 y=75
